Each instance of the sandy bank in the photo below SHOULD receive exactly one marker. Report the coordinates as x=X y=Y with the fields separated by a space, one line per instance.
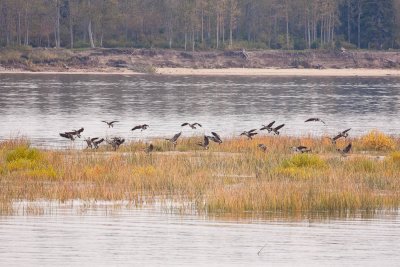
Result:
x=280 y=72
x=228 y=72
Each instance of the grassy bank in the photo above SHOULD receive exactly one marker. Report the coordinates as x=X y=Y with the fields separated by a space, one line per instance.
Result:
x=233 y=177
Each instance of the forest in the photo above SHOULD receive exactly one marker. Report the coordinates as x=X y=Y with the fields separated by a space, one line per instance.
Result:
x=201 y=24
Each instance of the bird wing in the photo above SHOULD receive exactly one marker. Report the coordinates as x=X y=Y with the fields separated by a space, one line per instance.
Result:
x=80 y=130
x=184 y=124
x=347 y=148
x=113 y=122
x=252 y=130
x=136 y=127
x=311 y=119
x=279 y=127
x=301 y=147
x=345 y=131
x=93 y=139
x=270 y=125
x=176 y=136
x=216 y=136
x=206 y=141
x=99 y=141
x=196 y=123
x=105 y=121
x=65 y=135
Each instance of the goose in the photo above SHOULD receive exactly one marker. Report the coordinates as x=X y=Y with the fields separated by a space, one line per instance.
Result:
x=68 y=136
x=277 y=128
x=215 y=138
x=96 y=142
x=174 y=139
x=205 y=142
x=76 y=132
x=149 y=149
x=250 y=133
x=268 y=127
x=315 y=119
x=115 y=142
x=142 y=127
x=301 y=149
x=89 y=141
x=345 y=150
x=193 y=125
x=344 y=134
x=110 y=124
x=262 y=147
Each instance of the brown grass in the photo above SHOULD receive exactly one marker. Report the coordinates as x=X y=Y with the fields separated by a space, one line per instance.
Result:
x=233 y=177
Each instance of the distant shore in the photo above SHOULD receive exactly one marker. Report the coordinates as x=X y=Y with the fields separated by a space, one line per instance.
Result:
x=131 y=61
x=225 y=72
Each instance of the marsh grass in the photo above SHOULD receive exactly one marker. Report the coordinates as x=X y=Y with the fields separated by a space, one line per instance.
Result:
x=233 y=177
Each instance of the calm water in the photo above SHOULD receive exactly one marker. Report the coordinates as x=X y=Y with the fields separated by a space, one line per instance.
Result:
x=102 y=236
x=41 y=106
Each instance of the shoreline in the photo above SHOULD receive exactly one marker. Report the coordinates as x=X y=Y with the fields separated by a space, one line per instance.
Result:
x=251 y=72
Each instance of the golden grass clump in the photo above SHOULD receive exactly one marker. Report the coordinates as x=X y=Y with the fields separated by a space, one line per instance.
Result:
x=376 y=140
x=235 y=176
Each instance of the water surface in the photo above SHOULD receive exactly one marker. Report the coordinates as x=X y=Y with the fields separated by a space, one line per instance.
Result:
x=70 y=234
x=41 y=106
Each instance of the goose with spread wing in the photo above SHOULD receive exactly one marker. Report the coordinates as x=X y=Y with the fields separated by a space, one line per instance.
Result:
x=191 y=125
x=110 y=123
x=249 y=134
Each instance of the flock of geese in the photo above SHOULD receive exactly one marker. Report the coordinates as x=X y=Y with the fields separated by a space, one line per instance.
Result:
x=116 y=142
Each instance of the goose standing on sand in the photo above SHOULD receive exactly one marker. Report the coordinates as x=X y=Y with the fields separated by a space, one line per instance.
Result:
x=344 y=134
x=205 y=142
x=315 y=119
x=262 y=147
x=268 y=127
x=277 y=128
x=250 y=133
x=301 y=149
x=174 y=139
x=345 y=150
x=110 y=123
x=191 y=125
x=215 y=138
x=141 y=127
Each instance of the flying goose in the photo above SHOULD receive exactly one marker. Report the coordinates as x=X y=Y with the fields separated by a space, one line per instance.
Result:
x=193 y=125
x=110 y=124
x=68 y=136
x=345 y=150
x=301 y=149
x=142 y=127
x=315 y=119
x=250 y=133
x=277 y=128
x=205 y=142
x=74 y=132
x=174 y=138
x=268 y=127
x=215 y=138
x=262 y=147
x=344 y=134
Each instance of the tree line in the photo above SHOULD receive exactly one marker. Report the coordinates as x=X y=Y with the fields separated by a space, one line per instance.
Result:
x=201 y=24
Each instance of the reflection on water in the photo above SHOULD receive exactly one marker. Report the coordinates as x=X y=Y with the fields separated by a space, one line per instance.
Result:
x=71 y=234
x=41 y=106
